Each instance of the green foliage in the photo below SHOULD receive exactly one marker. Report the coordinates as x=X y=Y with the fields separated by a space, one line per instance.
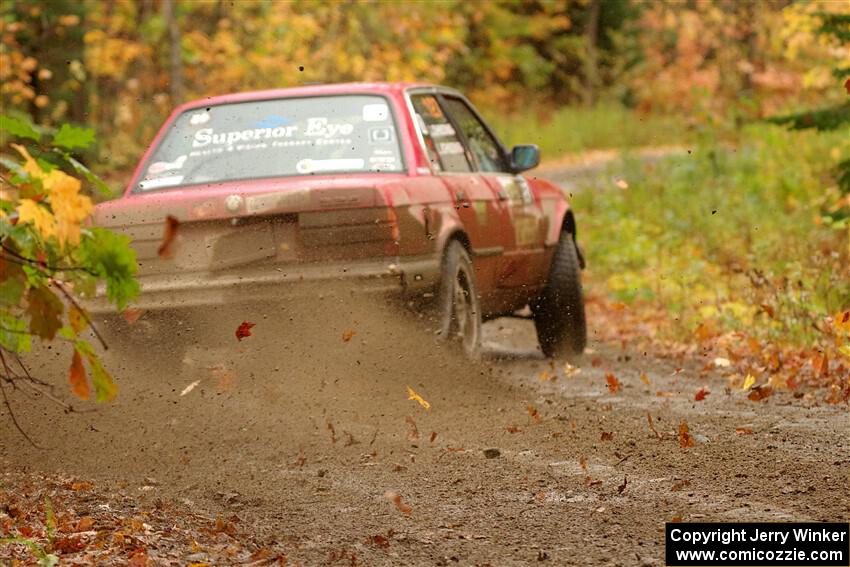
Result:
x=577 y=129
x=49 y=256
x=723 y=232
x=71 y=137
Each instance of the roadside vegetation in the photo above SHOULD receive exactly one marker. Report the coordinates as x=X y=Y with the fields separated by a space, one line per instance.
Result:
x=576 y=129
x=739 y=245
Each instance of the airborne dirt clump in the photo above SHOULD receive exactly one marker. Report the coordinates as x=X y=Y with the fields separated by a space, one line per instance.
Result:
x=304 y=432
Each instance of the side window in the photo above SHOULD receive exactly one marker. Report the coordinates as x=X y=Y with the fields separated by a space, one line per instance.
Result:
x=483 y=146
x=444 y=147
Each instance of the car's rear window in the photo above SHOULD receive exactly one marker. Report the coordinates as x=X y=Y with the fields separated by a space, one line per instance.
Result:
x=275 y=138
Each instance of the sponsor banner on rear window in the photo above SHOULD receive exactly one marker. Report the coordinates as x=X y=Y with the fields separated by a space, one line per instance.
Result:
x=275 y=138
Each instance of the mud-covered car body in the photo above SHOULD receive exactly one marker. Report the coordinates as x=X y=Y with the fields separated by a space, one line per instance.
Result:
x=364 y=185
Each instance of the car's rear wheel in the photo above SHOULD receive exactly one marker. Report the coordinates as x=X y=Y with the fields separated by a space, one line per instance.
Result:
x=559 y=310
x=459 y=311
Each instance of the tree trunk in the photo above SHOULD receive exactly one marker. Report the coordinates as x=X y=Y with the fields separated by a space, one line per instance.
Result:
x=175 y=57
x=591 y=63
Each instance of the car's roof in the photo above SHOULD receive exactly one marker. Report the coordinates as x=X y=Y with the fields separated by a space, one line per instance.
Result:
x=307 y=90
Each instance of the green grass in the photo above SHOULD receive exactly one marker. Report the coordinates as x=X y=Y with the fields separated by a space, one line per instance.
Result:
x=727 y=235
x=577 y=129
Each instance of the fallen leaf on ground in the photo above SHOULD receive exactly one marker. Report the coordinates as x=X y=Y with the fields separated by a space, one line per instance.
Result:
x=622 y=487
x=395 y=498
x=433 y=436
x=685 y=439
x=544 y=376
x=411 y=395
x=169 y=236
x=613 y=383
x=348 y=335
x=820 y=363
x=582 y=461
x=748 y=382
x=701 y=394
x=644 y=378
x=532 y=411
x=743 y=431
x=244 y=330
x=760 y=393
x=190 y=387
x=378 y=541
x=132 y=315
x=607 y=435
x=721 y=362
x=513 y=429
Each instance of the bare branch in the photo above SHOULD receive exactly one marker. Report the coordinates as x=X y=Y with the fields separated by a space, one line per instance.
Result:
x=9 y=376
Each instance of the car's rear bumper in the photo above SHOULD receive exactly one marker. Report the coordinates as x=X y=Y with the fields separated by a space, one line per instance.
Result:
x=413 y=276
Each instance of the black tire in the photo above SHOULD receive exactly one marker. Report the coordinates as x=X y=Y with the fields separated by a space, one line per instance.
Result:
x=458 y=303
x=559 y=310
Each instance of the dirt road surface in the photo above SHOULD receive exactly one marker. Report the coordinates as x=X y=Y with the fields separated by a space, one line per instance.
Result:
x=313 y=442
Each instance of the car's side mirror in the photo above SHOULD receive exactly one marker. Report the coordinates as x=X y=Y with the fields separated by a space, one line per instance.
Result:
x=524 y=157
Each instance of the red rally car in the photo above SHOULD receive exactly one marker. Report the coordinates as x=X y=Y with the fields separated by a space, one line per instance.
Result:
x=392 y=187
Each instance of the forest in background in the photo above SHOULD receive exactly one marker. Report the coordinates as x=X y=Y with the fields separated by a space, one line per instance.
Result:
x=740 y=248
x=660 y=69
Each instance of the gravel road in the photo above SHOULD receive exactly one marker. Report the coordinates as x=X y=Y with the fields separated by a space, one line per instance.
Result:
x=313 y=442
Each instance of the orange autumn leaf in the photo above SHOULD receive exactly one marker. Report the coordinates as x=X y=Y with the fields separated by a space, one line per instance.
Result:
x=685 y=439
x=132 y=315
x=77 y=377
x=607 y=435
x=759 y=393
x=513 y=429
x=743 y=431
x=244 y=330
x=644 y=378
x=396 y=499
x=348 y=335
x=613 y=383
x=169 y=235
x=533 y=413
x=701 y=394
x=820 y=363
x=433 y=436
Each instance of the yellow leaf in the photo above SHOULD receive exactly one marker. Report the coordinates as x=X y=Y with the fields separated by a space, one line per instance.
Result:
x=31 y=212
x=644 y=378
x=69 y=207
x=748 y=382
x=411 y=395
x=544 y=376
